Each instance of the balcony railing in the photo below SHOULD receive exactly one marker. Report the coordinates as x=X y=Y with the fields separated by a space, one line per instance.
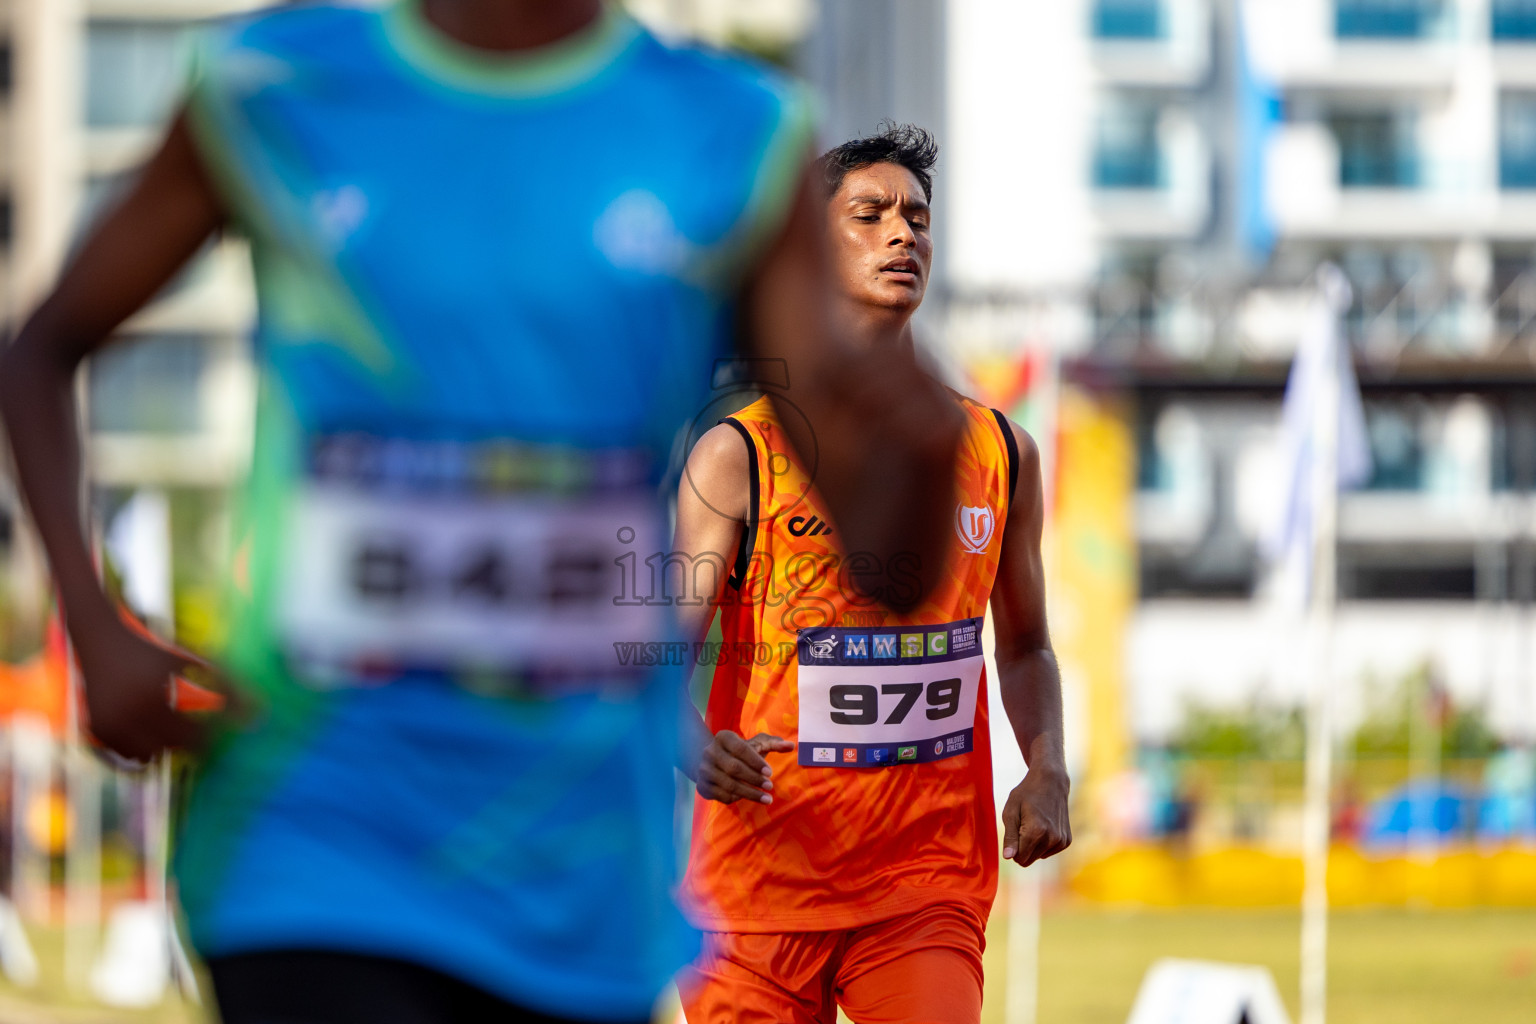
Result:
x=1388 y=19
x=1128 y=19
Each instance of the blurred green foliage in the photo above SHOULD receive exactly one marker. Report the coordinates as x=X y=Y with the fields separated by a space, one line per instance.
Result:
x=1403 y=715
x=769 y=49
x=1258 y=731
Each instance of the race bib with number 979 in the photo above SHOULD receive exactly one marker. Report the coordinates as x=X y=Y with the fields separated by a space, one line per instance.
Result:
x=871 y=698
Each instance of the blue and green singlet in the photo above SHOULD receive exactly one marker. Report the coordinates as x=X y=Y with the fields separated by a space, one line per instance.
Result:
x=490 y=291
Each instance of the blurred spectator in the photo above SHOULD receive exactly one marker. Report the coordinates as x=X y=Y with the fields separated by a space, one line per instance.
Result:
x=1422 y=811
x=1508 y=808
x=1125 y=806
x=1183 y=812
x=1348 y=814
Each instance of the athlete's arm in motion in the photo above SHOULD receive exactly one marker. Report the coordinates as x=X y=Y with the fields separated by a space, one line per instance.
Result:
x=1035 y=824
x=880 y=434
x=132 y=253
x=711 y=515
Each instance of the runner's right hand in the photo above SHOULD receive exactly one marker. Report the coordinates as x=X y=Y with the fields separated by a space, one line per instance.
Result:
x=732 y=768
x=128 y=691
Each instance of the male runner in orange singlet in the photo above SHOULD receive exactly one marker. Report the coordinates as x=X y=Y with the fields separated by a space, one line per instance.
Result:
x=846 y=854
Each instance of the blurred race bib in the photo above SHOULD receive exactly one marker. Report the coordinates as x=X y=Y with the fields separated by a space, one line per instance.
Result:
x=870 y=698
x=489 y=561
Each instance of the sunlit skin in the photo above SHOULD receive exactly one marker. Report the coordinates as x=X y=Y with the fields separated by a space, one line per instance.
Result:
x=507 y=25
x=882 y=247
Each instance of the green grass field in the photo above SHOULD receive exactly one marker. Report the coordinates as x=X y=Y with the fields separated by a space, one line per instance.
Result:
x=1386 y=966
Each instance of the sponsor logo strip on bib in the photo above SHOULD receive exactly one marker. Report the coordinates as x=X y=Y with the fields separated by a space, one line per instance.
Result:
x=872 y=698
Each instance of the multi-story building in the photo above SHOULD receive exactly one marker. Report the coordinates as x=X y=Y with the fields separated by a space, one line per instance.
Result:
x=1388 y=136
x=1146 y=188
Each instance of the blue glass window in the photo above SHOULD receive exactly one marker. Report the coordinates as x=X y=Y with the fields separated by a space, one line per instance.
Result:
x=150 y=385
x=1386 y=19
x=1375 y=150
x=1514 y=19
x=1397 y=451
x=1128 y=19
x=133 y=72
x=1126 y=153
x=1517 y=140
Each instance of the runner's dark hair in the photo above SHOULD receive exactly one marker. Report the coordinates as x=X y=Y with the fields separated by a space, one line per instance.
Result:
x=906 y=144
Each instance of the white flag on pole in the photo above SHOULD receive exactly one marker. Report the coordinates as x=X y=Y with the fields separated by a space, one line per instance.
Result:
x=1288 y=542
x=139 y=541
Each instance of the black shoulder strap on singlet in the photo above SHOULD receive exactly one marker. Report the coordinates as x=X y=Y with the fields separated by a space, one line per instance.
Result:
x=749 y=535
x=1013 y=454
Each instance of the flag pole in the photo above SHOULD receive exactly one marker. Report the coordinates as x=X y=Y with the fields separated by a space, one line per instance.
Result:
x=1022 y=990
x=1319 y=750
x=82 y=859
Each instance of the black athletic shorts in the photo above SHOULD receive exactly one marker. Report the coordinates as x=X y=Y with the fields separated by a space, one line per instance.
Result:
x=318 y=987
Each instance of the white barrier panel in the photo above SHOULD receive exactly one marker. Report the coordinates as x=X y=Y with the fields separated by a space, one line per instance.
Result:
x=1206 y=992
x=17 y=960
x=135 y=963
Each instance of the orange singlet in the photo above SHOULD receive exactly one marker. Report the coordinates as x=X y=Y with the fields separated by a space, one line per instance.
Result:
x=885 y=808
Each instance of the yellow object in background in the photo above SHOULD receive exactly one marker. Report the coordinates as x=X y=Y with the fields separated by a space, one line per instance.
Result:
x=48 y=823
x=1092 y=584
x=1154 y=876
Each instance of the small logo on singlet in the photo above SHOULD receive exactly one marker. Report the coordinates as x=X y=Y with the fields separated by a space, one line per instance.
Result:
x=974 y=526
x=338 y=213
x=826 y=647
x=800 y=526
x=636 y=232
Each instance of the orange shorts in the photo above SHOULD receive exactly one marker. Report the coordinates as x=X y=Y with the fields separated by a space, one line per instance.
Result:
x=922 y=968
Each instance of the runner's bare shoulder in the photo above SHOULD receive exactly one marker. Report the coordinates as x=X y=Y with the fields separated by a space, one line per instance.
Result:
x=719 y=470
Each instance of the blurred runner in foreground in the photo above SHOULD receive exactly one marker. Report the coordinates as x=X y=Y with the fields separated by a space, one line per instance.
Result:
x=846 y=854
x=497 y=244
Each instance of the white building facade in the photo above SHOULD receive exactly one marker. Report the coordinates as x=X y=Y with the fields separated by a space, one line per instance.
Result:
x=1147 y=186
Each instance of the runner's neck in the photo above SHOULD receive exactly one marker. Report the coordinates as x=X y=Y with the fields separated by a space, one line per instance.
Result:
x=508 y=25
x=876 y=328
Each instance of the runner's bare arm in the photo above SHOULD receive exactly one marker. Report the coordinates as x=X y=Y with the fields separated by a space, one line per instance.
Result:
x=1035 y=820
x=711 y=515
x=880 y=433
x=130 y=255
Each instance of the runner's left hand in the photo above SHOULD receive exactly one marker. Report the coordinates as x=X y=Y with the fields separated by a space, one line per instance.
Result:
x=732 y=768
x=1035 y=823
